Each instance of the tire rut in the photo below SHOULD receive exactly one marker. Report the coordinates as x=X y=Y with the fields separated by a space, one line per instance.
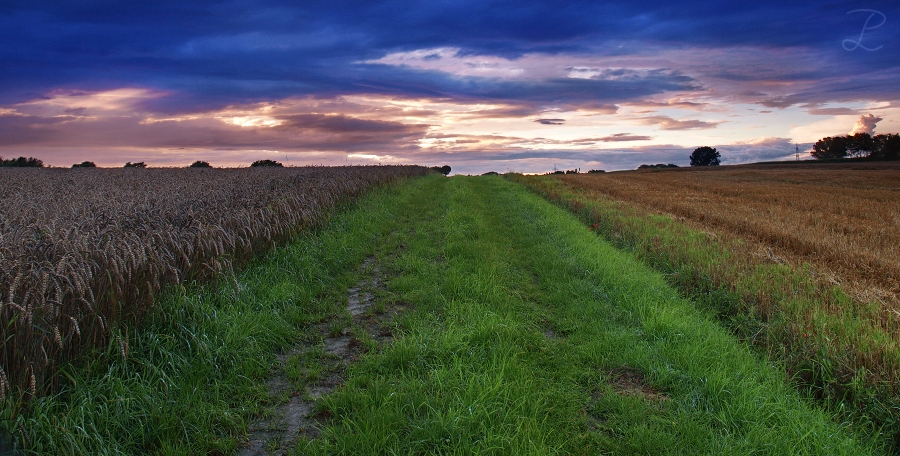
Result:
x=295 y=418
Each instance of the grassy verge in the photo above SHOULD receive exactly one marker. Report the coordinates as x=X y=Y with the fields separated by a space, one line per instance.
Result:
x=192 y=377
x=528 y=335
x=824 y=339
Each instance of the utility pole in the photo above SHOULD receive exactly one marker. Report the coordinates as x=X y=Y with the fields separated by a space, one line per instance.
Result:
x=797 y=151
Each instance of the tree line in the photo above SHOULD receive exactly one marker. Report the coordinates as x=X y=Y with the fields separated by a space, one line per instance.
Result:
x=32 y=162
x=21 y=162
x=859 y=145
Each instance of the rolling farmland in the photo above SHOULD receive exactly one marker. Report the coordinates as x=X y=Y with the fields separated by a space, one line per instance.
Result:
x=449 y=316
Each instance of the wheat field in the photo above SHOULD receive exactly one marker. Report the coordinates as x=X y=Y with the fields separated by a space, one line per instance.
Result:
x=842 y=218
x=84 y=249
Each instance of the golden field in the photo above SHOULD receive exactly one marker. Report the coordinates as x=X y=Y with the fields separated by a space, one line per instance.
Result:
x=844 y=219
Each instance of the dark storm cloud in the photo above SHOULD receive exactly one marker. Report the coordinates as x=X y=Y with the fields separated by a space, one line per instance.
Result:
x=215 y=53
x=551 y=121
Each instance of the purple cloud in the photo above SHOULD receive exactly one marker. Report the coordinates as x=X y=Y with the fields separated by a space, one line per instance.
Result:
x=668 y=123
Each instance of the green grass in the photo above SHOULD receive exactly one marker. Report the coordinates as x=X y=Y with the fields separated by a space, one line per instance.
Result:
x=825 y=340
x=193 y=377
x=475 y=372
x=519 y=323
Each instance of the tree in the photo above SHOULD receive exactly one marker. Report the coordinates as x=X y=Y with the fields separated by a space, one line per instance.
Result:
x=135 y=165
x=860 y=145
x=705 y=156
x=84 y=164
x=21 y=162
x=259 y=163
x=200 y=164
x=445 y=170
x=886 y=147
x=830 y=148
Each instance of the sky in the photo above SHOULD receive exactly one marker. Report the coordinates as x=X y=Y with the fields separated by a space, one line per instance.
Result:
x=522 y=86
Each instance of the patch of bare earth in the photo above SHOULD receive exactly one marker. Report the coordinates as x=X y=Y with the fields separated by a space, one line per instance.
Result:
x=296 y=417
x=625 y=381
x=628 y=381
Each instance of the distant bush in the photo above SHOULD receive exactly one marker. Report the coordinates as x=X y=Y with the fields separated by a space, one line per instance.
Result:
x=135 y=165
x=490 y=173
x=200 y=164
x=259 y=163
x=21 y=162
x=595 y=171
x=84 y=164
x=705 y=156
x=445 y=170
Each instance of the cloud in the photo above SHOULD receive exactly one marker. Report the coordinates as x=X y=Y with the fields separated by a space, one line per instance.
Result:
x=10 y=112
x=762 y=149
x=617 y=137
x=83 y=103
x=782 y=102
x=542 y=161
x=866 y=124
x=290 y=126
x=384 y=79
x=242 y=52
x=670 y=103
x=668 y=123
x=451 y=60
x=620 y=137
x=551 y=121
x=832 y=111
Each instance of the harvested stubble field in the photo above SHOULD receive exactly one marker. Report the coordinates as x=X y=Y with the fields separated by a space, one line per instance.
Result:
x=84 y=250
x=843 y=219
x=802 y=260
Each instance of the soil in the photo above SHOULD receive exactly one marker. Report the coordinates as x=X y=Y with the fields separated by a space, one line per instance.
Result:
x=631 y=382
x=296 y=418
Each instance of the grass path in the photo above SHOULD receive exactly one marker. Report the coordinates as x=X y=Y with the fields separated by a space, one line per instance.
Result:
x=521 y=332
x=529 y=335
